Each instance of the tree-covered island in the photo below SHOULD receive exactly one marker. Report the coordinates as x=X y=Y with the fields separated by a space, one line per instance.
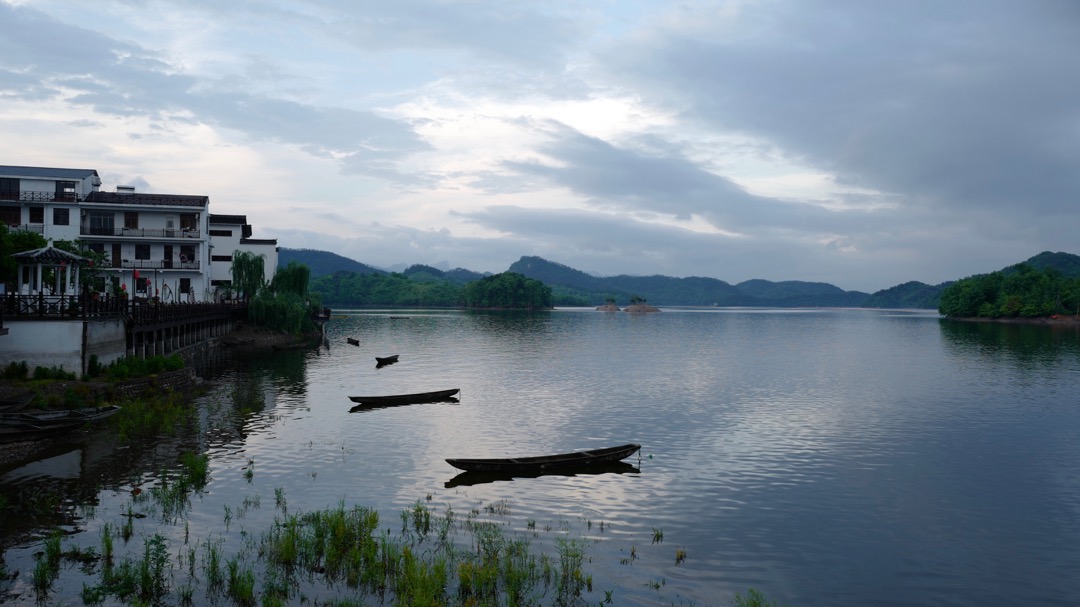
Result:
x=1020 y=291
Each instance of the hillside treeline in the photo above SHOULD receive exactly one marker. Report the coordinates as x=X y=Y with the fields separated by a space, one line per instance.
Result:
x=507 y=290
x=426 y=290
x=1018 y=291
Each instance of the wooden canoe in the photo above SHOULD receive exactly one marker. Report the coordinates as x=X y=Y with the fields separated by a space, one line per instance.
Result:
x=57 y=417
x=352 y=341
x=29 y=432
x=478 y=477
x=405 y=399
x=16 y=402
x=385 y=360
x=544 y=463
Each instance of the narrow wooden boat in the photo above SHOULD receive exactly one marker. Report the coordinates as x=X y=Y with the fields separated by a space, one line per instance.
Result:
x=361 y=407
x=405 y=399
x=352 y=341
x=385 y=360
x=478 y=477
x=29 y=432
x=16 y=402
x=57 y=417
x=544 y=463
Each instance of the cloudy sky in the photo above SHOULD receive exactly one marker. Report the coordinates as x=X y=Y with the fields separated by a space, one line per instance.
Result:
x=859 y=143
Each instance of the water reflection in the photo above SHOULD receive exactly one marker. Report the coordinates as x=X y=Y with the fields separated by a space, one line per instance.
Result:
x=1019 y=341
x=467 y=479
x=362 y=407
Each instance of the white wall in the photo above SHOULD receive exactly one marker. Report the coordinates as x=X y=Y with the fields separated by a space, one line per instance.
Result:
x=41 y=343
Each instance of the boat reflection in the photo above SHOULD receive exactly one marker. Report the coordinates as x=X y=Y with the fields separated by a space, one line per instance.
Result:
x=474 y=477
x=449 y=400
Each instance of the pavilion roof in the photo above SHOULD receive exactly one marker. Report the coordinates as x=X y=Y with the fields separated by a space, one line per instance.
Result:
x=48 y=254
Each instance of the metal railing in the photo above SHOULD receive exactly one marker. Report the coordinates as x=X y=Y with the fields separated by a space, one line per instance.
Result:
x=160 y=264
x=43 y=197
x=75 y=307
x=139 y=232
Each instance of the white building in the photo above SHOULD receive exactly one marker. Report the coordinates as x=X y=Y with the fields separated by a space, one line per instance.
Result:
x=232 y=233
x=162 y=245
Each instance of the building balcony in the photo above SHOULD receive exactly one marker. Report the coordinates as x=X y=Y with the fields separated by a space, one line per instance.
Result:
x=36 y=228
x=157 y=264
x=42 y=197
x=184 y=233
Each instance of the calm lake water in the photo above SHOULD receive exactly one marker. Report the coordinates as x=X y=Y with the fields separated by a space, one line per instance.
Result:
x=824 y=457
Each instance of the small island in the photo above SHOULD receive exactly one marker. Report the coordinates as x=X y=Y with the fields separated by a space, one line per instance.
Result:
x=637 y=306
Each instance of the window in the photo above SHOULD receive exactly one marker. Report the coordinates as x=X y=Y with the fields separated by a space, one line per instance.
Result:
x=189 y=222
x=65 y=190
x=37 y=215
x=185 y=285
x=187 y=253
x=9 y=188
x=60 y=217
x=131 y=220
x=102 y=223
x=11 y=215
x=221 y=232
x=142 y=251
x=221 y=258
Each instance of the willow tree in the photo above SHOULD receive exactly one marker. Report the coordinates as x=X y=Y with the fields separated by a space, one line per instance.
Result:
x=248 y=271
x=293 y=278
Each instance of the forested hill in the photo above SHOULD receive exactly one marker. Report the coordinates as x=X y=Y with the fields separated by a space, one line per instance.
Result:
x=574 y=287
x=691 y=291
x=322 y=263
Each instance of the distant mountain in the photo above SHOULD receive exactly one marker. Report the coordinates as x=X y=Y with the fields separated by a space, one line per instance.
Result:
x=912 y=294
x=580 y=288
x=323 y=263
x=1065 y=263
x=690 y=291
x=797 y=293
x=457 y=276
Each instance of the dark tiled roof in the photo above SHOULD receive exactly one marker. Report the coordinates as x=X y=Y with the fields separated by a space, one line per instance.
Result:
x=229 y=219
x=46 y=172
x=152 y=200
x=272 y=241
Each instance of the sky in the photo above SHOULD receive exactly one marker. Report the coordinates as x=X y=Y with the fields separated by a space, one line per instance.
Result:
x=863 y=144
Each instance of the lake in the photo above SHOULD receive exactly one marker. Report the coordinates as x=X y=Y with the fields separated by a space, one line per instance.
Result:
x=824 y=457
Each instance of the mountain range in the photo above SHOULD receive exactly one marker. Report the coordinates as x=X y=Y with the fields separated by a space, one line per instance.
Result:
x=574 y=287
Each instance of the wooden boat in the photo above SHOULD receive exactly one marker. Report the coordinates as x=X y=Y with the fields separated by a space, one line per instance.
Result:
x=359 y=408
x=545 y=463
x=29 y=432
x=352 y=341
x=405 y=399
x=478 y=477
x=57 y=417
x=16 y=402
x=385 y=360
x=293 y=346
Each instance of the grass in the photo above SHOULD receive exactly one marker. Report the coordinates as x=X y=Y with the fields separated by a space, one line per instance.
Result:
x=434 y=559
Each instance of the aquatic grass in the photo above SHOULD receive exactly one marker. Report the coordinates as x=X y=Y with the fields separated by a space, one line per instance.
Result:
x=153 y=415
x=680 y=555
x=491 y=563
x=241 y=583
x=753 y=598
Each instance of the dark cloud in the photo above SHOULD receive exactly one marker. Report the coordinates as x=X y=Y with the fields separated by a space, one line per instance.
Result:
x=967 y=104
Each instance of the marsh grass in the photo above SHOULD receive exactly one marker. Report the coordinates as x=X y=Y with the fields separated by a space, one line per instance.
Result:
x=344 y=555
x=160 y=414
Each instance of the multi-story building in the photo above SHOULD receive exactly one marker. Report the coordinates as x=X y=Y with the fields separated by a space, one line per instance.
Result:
x=156 y=245
x=232 y=233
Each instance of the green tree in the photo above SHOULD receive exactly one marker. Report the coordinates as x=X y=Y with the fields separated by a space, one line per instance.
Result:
x=15 y=241
x=248 y=271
